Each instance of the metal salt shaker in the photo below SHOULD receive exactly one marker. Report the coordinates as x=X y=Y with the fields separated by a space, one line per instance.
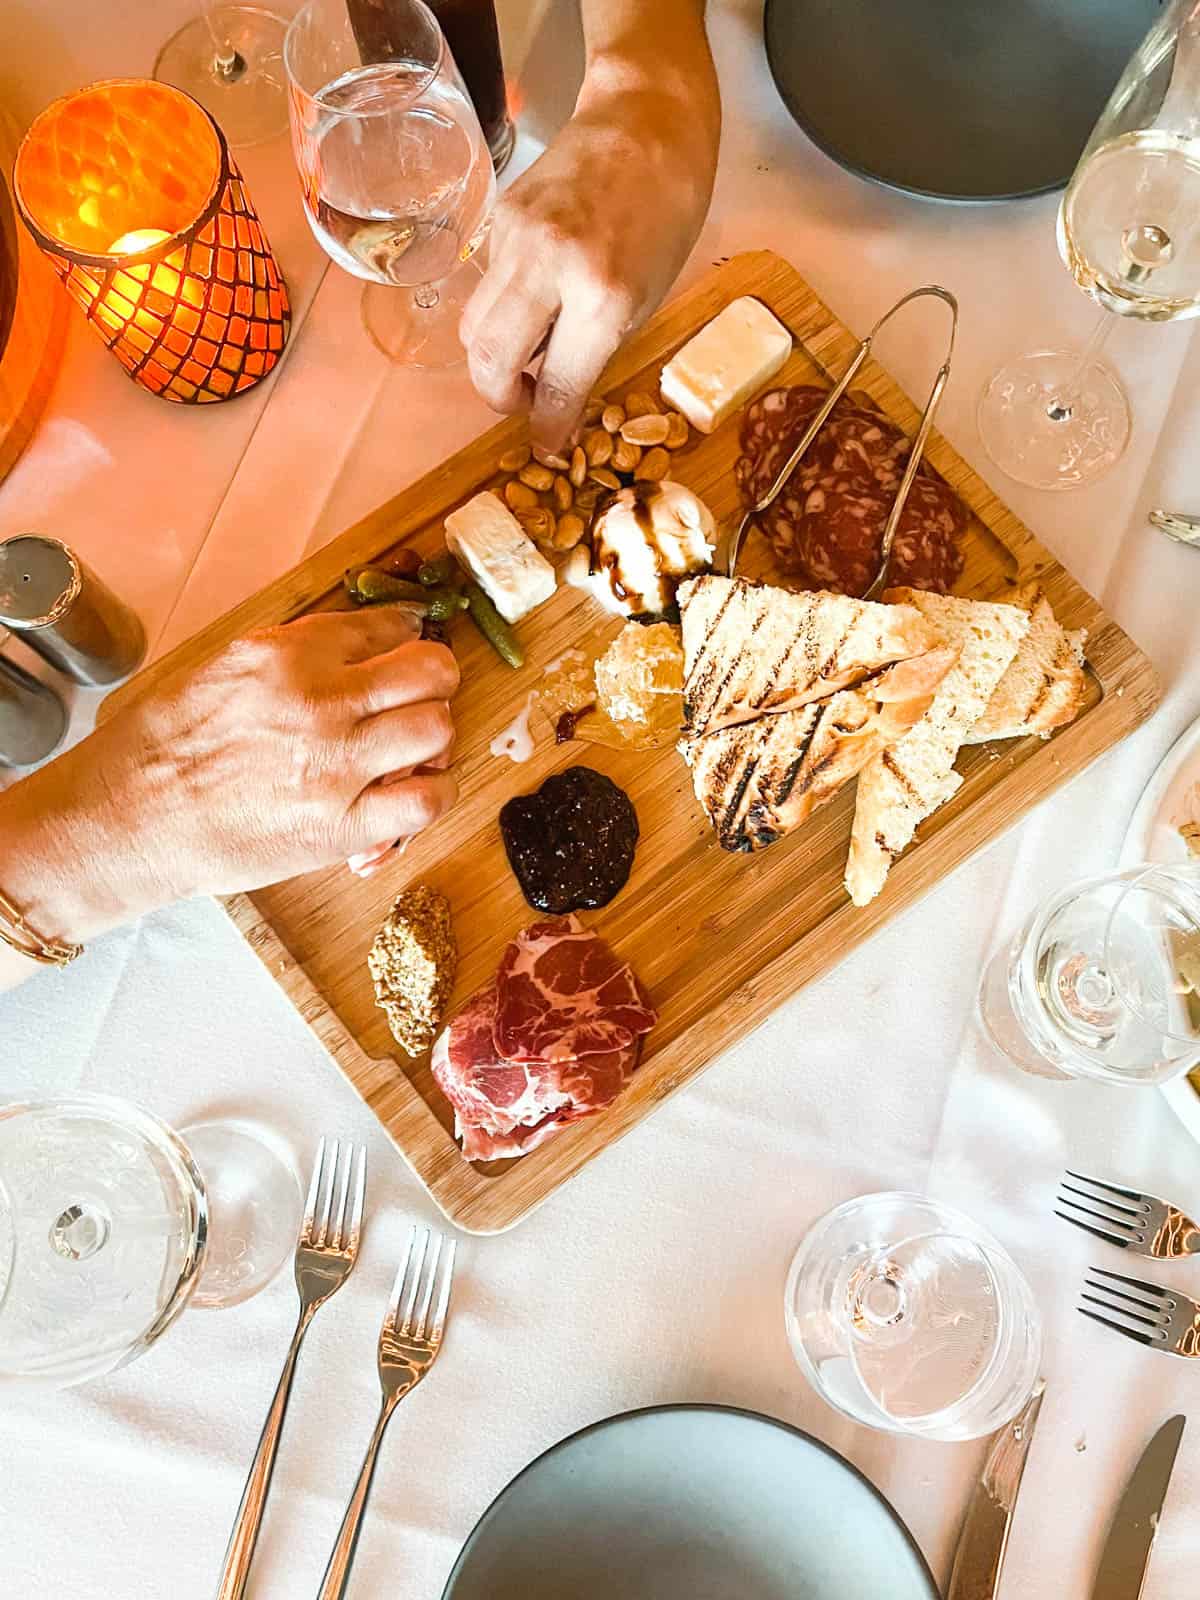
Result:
x=33 y=719
x=63 y=611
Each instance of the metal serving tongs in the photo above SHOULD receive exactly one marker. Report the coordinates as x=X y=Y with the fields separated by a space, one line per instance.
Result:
x=1184 y=530
x=730 y=543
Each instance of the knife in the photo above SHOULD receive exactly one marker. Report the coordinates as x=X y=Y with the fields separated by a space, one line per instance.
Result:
x=984 y=1538
x=1131 y=1537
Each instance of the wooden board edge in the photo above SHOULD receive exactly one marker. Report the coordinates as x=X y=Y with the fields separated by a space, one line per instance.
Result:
x=456 y=1187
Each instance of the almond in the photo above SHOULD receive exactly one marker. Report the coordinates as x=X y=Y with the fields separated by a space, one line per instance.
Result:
x=514 y=460
x=539 y=478
x=678 y=432
x=625 y=456
x=639 y=404
x=603 y=476
x=594 y=409
x=586 y=498
x=579 y=466
x=598 y=447
x=611 y=418
x=547 y=458
x=563 y=494
x=647 y=429
x=568 y=532
x=654 y=466
x=519 y=496
x=538 y=524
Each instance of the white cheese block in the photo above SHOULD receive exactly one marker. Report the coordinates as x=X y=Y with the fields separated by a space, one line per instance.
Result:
x=731 y=358
x=499 y=555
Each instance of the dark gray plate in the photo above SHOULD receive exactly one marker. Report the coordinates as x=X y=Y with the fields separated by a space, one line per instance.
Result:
x=690 y=1503
x=956 y=99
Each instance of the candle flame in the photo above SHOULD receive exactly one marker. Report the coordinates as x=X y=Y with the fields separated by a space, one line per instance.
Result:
x=137 y=242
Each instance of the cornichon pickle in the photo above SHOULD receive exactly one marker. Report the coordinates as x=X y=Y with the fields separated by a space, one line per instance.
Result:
x=442 y=604
x=436 y=573
x=493 y=627
x=370 y=585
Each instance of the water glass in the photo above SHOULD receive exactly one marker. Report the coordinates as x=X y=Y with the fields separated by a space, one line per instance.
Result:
x=909 y=1317
x=110 y=1224
x=1103 y=981
x=398 y=183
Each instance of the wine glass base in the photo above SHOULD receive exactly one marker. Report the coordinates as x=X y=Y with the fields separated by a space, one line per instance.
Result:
x=420 y=336
x=254 y=1200
x=249 y=101
x=1047 y=448
x=999 y=1023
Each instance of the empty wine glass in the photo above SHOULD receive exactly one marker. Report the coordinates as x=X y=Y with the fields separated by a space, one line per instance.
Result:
x=1129 y=233
x=397 y=179
x=230 y=59
x=907 y=1316
x=1103 y=981
x=110 y=1224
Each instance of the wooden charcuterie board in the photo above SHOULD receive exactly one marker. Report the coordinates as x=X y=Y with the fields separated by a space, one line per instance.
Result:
x=720 y=940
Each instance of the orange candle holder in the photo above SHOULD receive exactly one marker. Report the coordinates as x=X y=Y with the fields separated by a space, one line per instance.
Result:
x=129 y=188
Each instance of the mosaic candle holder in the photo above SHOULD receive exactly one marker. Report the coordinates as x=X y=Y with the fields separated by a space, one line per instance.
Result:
x=129 y=188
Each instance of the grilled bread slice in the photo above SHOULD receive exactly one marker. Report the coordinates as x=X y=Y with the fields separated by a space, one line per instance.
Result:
x=1045 y=686
x=903 y=785
x=749 y=648
x=759 y=780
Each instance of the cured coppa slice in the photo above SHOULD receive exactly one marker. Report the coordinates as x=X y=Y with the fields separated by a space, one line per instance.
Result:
x=581 y=1008
x=505 y=1108
x=563 y=993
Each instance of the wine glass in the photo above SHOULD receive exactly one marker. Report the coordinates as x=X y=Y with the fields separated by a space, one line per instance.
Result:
x=1129 y=233
x=1103 y=981
x=909 y=1317
x=230 y=59
x=110 y=1224
x=398 y=182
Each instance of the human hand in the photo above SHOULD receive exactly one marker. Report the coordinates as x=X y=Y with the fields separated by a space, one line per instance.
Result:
x=294 y=748
x=583 y=247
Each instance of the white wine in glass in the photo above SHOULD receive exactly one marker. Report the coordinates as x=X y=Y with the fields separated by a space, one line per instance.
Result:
x=1129 y=232
x=230 y=59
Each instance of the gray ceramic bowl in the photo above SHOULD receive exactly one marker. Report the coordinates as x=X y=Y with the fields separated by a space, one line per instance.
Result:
x=690 y=1503
x=954 y=99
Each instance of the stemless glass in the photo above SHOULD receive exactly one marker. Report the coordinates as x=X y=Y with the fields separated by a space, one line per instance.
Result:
x=1128 y=233
x=397 y=179
x=1103 y=981
x=230 y=59
x=108 y=1229
x=909 y=1317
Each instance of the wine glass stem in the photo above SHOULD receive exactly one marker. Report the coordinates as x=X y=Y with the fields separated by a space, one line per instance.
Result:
x=426 y=296
x=1062 y=406
x=226 y=61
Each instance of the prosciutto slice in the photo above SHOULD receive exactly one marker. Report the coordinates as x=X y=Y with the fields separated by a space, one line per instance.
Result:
x=553 y=1040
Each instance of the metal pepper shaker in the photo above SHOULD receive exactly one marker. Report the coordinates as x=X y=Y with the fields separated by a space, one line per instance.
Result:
x=64 y=612
x=32 y=717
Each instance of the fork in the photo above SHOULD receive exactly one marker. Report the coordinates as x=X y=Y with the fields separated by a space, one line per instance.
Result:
x=325 y=1254
x=1138 y=1222
x=409 y=1342
x=1162 y=1318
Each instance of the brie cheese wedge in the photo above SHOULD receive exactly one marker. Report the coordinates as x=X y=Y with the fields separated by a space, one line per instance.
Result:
x=729 y=360
x=494 y=548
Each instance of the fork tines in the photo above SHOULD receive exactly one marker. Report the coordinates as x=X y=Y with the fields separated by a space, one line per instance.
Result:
x=1125 y=1213
x=1145 y=1309
x=428 y=1266
x=344 y=1172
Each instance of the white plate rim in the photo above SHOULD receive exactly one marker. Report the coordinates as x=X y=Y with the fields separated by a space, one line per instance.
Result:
x=1179 y=1093
x=695 y=1408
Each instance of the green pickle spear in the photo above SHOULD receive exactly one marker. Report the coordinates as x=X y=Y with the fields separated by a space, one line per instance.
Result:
x=493 y=627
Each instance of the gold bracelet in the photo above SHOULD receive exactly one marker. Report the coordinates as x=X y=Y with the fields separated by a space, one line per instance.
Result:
x=19 y=936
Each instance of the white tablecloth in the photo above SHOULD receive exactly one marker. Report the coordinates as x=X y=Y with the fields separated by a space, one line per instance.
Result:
x=657 y=1275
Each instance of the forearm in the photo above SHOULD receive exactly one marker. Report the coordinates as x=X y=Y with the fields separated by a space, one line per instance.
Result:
x=661 y=50
x=77 y=855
